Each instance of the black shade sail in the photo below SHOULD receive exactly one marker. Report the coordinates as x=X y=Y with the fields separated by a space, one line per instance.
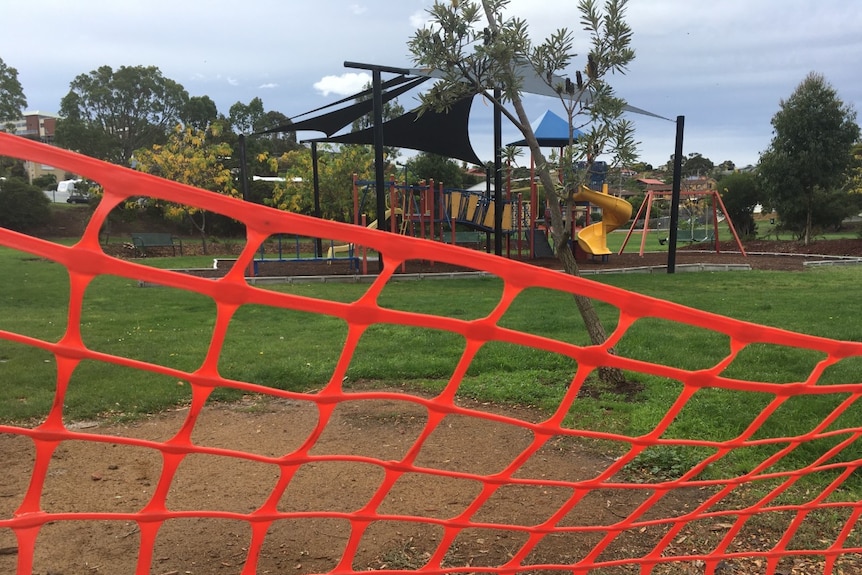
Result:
x=331 y=122
x=442 y=133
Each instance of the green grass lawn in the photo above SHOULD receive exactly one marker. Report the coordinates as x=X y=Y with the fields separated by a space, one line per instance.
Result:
x=298 y=350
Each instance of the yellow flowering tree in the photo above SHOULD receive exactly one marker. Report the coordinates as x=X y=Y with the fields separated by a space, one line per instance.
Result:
x=336 y=167
x=190 y=157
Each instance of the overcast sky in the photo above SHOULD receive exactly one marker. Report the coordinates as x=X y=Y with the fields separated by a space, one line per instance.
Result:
x=724 y=65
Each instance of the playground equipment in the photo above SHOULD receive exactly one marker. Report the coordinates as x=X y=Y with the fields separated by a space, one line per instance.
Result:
x=459 y=216
x=593 y=239
x=712 y=197
x=349 y=248
x=448 y=215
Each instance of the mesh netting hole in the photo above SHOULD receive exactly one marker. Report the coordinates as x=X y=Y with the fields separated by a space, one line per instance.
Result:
x=280 y=348
x=28 y=375
x=449 y=447
x=103 y=389
x=485 y=547
x=334 y=486
x=221 y=483
x=714 y=414
x=429 y=495
x=395 y=424
x=292 y=255
x=32 y=304
x=16 y=471
x=445 y=299
x=301 y=546
x=549 y=313
x=772 y=363
x=142 y=323
x=565 y=459
x=788 y=418
x=94 y=542
x=553 y=371
x=563 y=547
x=667 y=462
x=256 y=423
x=115 y=478
x=671 y=343
x=402 y=545
x=816 y=530
x=522 y=505
x=845 y=371
x=633 y=544
x=201 y=545
x=392 y=351
x=604 y=507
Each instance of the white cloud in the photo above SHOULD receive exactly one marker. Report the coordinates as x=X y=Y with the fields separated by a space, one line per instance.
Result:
x=268 y=86
x=358 y=9
x=419 y=19
x=232 y=81
x=343 y=85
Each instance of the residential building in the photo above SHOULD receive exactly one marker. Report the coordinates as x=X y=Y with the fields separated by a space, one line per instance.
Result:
x=38 y=126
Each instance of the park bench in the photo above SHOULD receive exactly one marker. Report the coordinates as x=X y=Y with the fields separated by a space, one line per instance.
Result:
x=143 y=241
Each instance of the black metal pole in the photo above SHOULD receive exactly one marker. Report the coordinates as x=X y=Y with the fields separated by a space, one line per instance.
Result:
x=243 y=168
x=318 y=242
x=498 y=175
x=675 y=195
x=379 y=175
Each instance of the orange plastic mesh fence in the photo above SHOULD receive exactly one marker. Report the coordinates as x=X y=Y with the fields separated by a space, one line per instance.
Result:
x=679 y=524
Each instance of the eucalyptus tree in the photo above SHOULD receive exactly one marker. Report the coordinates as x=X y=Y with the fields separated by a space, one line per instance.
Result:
x=109 y=114
x=12 y=98
x=804 y=171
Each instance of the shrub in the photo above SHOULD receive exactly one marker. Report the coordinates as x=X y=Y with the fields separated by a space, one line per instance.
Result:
x=22 y=206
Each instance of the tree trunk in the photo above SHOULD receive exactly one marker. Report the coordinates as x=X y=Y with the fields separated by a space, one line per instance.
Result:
x=202 y=227
x=559 y=230
x=561 y=236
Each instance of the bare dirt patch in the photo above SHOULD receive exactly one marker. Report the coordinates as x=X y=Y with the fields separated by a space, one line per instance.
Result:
x=109 y=477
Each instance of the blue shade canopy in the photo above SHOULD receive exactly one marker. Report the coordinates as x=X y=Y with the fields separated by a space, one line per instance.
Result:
x=551 y=131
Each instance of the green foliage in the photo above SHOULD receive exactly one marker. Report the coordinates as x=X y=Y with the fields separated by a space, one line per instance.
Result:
x=199 y=112
x=426 y=166
x=12 y=99
x=246 y=118
x=804 y=170
x=336 y=167
x=45 y=181
x=740 y=193
x=22 y=206
x=190 y=158
x=697 y=165
x=109 y=114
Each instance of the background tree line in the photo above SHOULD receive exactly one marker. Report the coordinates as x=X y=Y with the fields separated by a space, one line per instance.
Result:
x=810 y=175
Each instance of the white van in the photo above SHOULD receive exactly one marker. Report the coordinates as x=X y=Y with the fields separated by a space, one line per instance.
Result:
x=75 y=196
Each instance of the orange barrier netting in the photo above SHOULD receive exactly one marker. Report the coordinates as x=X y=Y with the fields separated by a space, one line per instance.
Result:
x=623 y=532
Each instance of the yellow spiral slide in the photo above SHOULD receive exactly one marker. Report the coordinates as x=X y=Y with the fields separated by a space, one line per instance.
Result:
x=593 y=239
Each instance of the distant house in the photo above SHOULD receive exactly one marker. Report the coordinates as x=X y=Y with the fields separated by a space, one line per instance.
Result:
x=653 y=185
x=699 y=184
x=37 y=126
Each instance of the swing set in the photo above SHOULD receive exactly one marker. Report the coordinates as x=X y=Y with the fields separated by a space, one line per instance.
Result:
x=694 y=201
